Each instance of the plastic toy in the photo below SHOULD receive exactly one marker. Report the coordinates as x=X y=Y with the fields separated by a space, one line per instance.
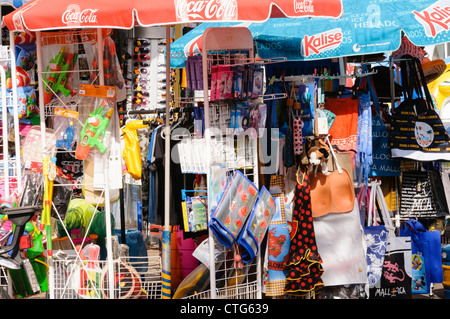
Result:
x=93 y=132
x=56 y=81
x=67 y=141
x=131 y=152
x=22 y=78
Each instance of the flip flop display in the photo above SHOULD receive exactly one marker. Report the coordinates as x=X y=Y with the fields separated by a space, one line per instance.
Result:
x=235 y=206
x=256 y=227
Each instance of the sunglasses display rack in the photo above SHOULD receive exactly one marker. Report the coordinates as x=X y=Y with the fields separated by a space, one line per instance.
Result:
x=146 y=70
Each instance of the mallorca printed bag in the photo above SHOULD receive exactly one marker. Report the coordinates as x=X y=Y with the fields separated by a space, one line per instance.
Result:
x=382 y=163
x=422 y=195
x=395 y=281
x=375 y=234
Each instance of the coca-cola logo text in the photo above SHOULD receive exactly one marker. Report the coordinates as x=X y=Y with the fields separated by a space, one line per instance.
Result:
x=305 y=6
x=321 y=42
x=434 y=19
x=206 y=9
x=86 y=16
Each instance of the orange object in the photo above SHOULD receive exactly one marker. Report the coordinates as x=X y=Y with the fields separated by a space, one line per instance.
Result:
x=344 y=130
x=333 y=193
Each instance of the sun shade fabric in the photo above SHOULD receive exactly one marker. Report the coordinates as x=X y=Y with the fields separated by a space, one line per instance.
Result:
x=36 y=16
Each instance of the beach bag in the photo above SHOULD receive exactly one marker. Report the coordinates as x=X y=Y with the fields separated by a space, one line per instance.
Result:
x=426 y=255
x=375 y=234
x=235 y=206
x=382 y=163
x=341 y=245
x=416 y=130
x=252 y=235
x=336 y=186
x=421 y=195
x=395 y=281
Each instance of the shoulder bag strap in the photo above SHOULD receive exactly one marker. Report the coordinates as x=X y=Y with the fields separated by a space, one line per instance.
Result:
x=424 y=84
x=339 y=168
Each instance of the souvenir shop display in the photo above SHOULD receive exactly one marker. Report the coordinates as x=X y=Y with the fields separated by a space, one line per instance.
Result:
x=279 y=171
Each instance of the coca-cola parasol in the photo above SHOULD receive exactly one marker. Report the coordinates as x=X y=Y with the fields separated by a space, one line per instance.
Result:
x=39 y=15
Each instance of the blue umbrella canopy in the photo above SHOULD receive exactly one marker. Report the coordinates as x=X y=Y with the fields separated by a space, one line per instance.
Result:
x=364 y=28
x=13 y=3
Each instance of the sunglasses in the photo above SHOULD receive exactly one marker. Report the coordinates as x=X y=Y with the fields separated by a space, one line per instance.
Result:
x=141 y=64
x=141 y=50
x=138 y=101
x=141 y=57
x=138 y=87
x=140 y=80
x=141 y=43
x=140 y=94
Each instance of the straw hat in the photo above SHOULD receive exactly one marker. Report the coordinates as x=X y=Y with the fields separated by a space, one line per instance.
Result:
x=433 y=69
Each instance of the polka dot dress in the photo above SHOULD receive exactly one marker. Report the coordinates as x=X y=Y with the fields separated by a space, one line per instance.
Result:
x=304 y=265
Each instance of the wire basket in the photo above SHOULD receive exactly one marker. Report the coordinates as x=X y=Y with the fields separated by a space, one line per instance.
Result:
x=133 y=278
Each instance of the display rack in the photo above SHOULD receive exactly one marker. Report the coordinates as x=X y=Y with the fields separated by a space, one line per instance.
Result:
x=143 y=283
x=226 y=281
x=96 y=72
x=10 y=166
x=62 y=271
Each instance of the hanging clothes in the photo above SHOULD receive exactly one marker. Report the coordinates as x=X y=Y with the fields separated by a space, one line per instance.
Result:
x=152 y=169
x=156 y=166
x=304 y=264
x=344 y=130
x=364 y=138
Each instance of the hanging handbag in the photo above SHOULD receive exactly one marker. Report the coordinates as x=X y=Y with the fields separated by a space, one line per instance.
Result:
x=375 y=234
x=427 y=253
x=417 y=132
x=382 y=163
x=395 y=281
x=229 y=217
x=417 y=198
x=332 y=193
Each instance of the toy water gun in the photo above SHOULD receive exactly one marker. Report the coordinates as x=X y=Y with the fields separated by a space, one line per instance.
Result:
x=110 y=66
x=131 y=153
x=61 y=84
x=59 y=66
x=93 y=132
